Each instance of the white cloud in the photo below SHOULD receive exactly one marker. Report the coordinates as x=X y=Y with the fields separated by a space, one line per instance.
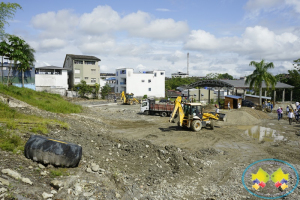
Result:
x=141 y=24
x=57 y=24
x=163 y=9
x=101 y=20
x=256 y=42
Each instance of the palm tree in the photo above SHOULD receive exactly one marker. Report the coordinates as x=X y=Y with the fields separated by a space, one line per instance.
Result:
x=20 y=52
x=4 y=51
x=27 y=60
x=259 y=75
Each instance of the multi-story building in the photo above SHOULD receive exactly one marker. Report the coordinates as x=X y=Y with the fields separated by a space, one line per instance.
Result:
x=150 y=83
x=81 y=67
x=51 y=79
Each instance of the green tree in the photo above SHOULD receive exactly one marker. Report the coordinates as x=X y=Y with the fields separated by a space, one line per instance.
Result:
x=297 y=64
x=96 y=90
x=83 y=88
x=4 y=51
x=105 y=90
x=27 y=60
x=7 y=12
x=259 y=75
x=15 y=52
x=292 y=79
x=212 y=76
x=225 y=76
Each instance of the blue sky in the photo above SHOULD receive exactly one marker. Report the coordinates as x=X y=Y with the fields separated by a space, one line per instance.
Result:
x=221 y=36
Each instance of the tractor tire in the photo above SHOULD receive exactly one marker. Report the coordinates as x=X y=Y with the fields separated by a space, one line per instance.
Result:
x=212 y=124
x=164 y=114
x=196 y=125
x=52 y=151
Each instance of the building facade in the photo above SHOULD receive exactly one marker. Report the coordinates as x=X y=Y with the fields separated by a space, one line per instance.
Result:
x=51 y=79
x=15 y=75
x=81 y=67
x=150 y=83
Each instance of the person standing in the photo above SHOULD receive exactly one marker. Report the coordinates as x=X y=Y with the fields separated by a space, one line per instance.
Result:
x=279 y=113
x=287 y=110
x=271 y=107
x=296 y=115
x=228 y=105
x=291 y=116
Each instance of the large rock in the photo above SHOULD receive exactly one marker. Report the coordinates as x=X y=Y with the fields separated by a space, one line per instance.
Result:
x=4 y=182
x=11 y=173
x=52 y=151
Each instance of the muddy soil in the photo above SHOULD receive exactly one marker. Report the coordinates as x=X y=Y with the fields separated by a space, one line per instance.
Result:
x=146 y=157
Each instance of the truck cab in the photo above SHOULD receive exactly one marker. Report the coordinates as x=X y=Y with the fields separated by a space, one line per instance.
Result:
x=145 y=107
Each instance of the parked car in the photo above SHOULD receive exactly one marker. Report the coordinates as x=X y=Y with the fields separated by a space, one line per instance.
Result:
x=247 y=103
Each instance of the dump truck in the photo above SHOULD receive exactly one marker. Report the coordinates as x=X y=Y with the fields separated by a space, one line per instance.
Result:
x=129 y=99
x=191 y=116
x=149 y=107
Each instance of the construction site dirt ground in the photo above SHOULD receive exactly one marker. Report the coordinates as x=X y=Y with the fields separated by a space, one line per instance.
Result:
x=147 y=157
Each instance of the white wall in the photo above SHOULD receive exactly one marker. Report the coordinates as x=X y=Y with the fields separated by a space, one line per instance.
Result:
x=48 y=80
x=135 y=85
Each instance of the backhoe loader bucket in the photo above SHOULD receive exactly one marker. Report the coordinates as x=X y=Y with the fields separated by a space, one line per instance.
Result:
x=52 y=151
x=222 y=116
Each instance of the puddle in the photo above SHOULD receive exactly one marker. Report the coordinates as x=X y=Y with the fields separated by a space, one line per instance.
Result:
x=264 y=134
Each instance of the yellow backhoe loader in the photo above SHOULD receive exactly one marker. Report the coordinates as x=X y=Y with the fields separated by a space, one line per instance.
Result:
x=129 y=99
x=191 y=115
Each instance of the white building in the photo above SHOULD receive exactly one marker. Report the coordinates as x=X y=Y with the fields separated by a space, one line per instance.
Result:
x=51 y=79
x=150 y=83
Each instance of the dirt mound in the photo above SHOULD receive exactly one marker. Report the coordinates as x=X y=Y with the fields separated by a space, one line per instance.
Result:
x=241 y=117
x=258 y=114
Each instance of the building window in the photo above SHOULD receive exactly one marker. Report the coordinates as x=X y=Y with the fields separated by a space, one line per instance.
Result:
x=77 y=71
x=143 y=81
x=155 y=74
x=93 y=80
x=117 y=73
x=78 y=62
x=149 y=80
x=93 y=70
x=77 y=80
x=86 y=78
x=123 y=72
x=149 y=89
x=161 y=73
x=117 y=89
x=89 y=62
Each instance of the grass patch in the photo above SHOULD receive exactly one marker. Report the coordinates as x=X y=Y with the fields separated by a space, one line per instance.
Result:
x=27 y=123
x=10 y=142
x=43 y=100
x=59 y=172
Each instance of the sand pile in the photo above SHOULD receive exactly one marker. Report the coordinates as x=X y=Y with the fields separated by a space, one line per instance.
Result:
x=240 y=117
x=258 y=114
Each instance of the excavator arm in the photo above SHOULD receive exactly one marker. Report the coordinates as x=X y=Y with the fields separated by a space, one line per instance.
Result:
x=123 y=97
x=177 y=107
x=137 y=101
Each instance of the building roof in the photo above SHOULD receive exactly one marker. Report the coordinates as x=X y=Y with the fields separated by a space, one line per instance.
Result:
x=256 y=96
x=83 y=57
x=233 y=97
x=241 y=84
x=51 y=67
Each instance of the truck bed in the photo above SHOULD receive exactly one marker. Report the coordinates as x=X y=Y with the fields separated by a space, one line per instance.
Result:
x=162 y=107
